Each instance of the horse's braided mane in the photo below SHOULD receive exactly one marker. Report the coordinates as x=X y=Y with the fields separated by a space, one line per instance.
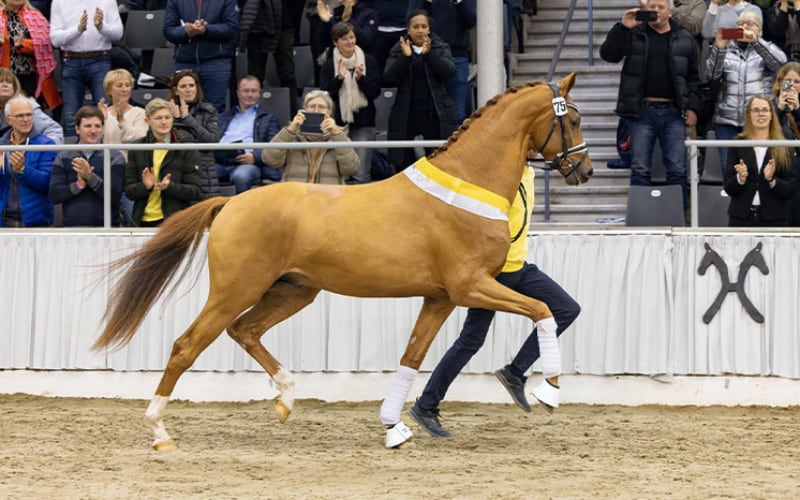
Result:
x=478 y=113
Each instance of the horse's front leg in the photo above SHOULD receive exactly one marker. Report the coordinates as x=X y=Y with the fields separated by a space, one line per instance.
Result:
x=433 y=314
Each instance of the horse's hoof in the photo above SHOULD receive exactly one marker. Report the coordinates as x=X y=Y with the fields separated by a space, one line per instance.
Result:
x=282 y=411
x=168 y=445
x=397 y=435
x=406 y=446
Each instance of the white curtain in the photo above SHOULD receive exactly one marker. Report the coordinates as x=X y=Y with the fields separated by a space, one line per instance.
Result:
x=641 y=296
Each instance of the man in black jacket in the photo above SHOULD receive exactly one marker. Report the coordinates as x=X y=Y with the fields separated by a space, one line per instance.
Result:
x=658 y=89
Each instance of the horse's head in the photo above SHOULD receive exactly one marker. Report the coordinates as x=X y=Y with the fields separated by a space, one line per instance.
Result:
x=561 y=144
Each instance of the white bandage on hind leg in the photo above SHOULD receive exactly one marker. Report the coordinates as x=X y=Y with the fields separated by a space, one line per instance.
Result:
x=398 y=393
x=548 y=347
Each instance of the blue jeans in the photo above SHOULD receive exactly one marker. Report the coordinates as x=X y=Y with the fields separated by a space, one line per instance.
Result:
x=215 y=75
x=530 y=281
x=364 y=172
x=241 y=176
x=76 y=75
x=457 y=88
x=667 y=125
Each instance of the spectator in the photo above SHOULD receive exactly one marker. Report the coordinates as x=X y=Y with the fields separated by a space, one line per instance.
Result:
x=42 y=123
x=392 y=23
x=690 y=13
x=724 y=14
x=782 y=26
x=351 y=78
x=78 y=176
x=744 y=68
x=785 y=99
x=84 y=35
x=204 y=34
x=246 y=123
x=284 y=53
x=658 y=90
x=363 y=19
x=27 y=50
x=452 y=21
x=161 y=182
x=318 y=166
x=419 y=65
x=124 y=123
x=759 y=180
x=528 y=280
x=259 y=31
x=24 y=175
x=196 y=115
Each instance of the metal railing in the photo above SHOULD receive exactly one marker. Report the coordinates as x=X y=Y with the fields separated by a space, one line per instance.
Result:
x=107 y=148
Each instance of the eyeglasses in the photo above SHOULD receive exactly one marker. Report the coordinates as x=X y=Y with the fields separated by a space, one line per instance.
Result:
x=760 y=111
x=746 y=23
x=317 y=107
x=22 y=116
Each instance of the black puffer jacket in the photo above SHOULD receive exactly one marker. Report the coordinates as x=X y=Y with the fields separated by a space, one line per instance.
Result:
x=203 y=124
x=631 y=44
x=260 y=17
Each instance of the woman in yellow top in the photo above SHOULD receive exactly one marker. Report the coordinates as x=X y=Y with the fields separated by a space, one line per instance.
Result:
x=161 y=182
x=527 y=279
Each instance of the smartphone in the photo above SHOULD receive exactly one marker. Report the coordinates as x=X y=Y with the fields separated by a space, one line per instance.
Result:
x=786 y=86
x=312 y=124
x=646 y=16
x=732 y=33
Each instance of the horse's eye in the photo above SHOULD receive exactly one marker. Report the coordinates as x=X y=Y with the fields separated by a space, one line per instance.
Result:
x=575 y=123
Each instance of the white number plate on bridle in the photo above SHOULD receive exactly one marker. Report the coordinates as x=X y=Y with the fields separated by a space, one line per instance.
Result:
x=559 y=106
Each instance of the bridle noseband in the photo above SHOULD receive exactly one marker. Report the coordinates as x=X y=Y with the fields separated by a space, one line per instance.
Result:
x=561 y=161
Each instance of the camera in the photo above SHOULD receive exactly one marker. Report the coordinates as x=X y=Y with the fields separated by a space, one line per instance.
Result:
x=787 y=85
x=646 y=16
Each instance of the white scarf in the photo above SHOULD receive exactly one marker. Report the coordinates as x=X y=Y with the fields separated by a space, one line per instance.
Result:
x=351 y=99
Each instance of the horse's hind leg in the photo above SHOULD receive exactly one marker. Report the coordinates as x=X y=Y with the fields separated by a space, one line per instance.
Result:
x=205 y=329
x=278 y=303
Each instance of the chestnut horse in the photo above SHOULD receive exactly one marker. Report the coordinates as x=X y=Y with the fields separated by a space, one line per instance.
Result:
x=400 y=237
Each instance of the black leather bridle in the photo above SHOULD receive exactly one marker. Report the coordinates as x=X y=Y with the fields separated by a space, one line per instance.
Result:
x=561 y=161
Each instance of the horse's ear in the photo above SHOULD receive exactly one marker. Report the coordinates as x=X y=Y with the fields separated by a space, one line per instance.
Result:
x=566 y=83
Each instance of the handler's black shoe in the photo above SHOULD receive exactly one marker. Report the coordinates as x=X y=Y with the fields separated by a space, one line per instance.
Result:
x=514 y=385
x=428 y=420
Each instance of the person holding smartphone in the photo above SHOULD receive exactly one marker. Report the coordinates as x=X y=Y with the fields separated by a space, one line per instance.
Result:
x=313 y=123
x=743 y=67
x=787 y=104
x=724 y=14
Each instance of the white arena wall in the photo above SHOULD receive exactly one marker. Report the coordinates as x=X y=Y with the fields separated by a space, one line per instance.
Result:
x=640 y=338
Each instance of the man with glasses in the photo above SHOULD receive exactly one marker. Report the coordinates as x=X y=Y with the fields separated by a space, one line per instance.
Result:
x=24 y=175
x=246 y=123
x=658 y=89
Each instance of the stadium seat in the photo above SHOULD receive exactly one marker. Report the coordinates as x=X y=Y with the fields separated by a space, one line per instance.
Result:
x=144 y=30
x=303 y=66
x=271 y=79
x=712 y=206
x=276 y=100
x=655 y=206
x=143 y=96
x=383 y=106
x=712 y=163
x=163 y=63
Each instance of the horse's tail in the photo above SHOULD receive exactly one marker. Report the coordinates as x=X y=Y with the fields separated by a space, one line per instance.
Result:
x=151 y=268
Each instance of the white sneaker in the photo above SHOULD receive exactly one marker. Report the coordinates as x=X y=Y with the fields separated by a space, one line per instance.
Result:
x=547 y=394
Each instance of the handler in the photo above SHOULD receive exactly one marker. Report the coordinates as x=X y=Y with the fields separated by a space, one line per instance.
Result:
x=527 y=279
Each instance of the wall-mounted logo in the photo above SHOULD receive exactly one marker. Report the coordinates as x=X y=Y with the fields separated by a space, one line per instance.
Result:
x=753 y=258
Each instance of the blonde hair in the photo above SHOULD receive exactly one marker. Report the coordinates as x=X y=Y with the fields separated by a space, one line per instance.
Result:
x=781 y=155
x=157 y=104
x=781 y=74
x=115 y=75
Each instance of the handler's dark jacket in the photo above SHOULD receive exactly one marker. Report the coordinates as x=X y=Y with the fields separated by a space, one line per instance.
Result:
x=631 y=44
x=184 y=183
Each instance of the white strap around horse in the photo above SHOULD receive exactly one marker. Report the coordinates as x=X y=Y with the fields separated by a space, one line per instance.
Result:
x=457 y=192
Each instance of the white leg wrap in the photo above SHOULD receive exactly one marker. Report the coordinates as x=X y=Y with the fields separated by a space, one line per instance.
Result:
x=548 y=347
x=153 y=419
x=284 y=382
x=398 y=393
